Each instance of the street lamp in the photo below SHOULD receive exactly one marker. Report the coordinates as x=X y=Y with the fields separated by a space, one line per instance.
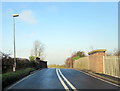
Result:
x=14 y=65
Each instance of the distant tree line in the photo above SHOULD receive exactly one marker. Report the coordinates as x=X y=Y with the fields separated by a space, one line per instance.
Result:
x=56 y=66
x=115 y=53
x=76 y=55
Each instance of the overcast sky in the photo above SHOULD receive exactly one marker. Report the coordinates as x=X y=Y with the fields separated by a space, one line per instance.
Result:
x=62 y=27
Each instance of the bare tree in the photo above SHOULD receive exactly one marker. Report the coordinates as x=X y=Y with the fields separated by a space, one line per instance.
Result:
x=4 y=55
x=117 y=52
x=108 y=53
x=38 y=49
x=1 y=55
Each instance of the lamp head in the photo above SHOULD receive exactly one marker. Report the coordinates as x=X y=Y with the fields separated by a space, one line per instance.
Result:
x=15 y=15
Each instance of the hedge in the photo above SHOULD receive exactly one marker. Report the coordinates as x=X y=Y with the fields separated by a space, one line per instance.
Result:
x=9 y=78
x=7 y=64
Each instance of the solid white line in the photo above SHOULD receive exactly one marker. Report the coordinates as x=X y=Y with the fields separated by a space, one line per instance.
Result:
x=62 y=82
x=21 y=80
x=100 y=79
x=67 y=81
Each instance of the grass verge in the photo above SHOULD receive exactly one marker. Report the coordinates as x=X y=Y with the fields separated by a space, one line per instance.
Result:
x=11 y=77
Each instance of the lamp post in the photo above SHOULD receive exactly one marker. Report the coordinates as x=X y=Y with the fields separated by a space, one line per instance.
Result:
x=14 y=65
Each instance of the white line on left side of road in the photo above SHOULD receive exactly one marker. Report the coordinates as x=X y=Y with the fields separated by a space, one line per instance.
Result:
x=68 y=82
x=21 y=80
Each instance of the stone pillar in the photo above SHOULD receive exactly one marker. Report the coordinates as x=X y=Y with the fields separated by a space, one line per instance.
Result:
x=96 y=60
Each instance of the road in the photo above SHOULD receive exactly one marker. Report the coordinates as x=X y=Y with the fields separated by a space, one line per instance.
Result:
x=64 y=79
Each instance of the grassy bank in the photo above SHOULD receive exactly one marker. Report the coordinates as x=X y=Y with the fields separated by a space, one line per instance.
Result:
x=11 y=77
x=56 y=66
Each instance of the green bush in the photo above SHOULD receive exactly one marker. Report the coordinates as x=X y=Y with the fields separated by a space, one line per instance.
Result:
x=76 y=57
x=9 y=78
x=32 y=58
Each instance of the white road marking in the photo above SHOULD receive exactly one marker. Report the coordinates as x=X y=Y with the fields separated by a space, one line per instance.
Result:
x=62 y=82
x=21 y=80
x=67 y=81
x=100 y=79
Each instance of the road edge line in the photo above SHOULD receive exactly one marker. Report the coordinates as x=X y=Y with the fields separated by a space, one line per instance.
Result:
x=100 y=79
x=21 y=80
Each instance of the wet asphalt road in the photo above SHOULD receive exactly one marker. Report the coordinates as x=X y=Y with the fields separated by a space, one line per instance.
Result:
x=49 y=79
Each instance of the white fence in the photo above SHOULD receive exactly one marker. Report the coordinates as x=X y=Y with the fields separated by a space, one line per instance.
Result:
x=111 y=65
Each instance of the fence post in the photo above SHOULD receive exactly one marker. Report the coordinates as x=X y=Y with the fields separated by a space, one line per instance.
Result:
x=103 y=65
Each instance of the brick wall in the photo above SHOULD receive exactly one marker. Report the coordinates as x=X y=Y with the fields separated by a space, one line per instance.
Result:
x=96 y=61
